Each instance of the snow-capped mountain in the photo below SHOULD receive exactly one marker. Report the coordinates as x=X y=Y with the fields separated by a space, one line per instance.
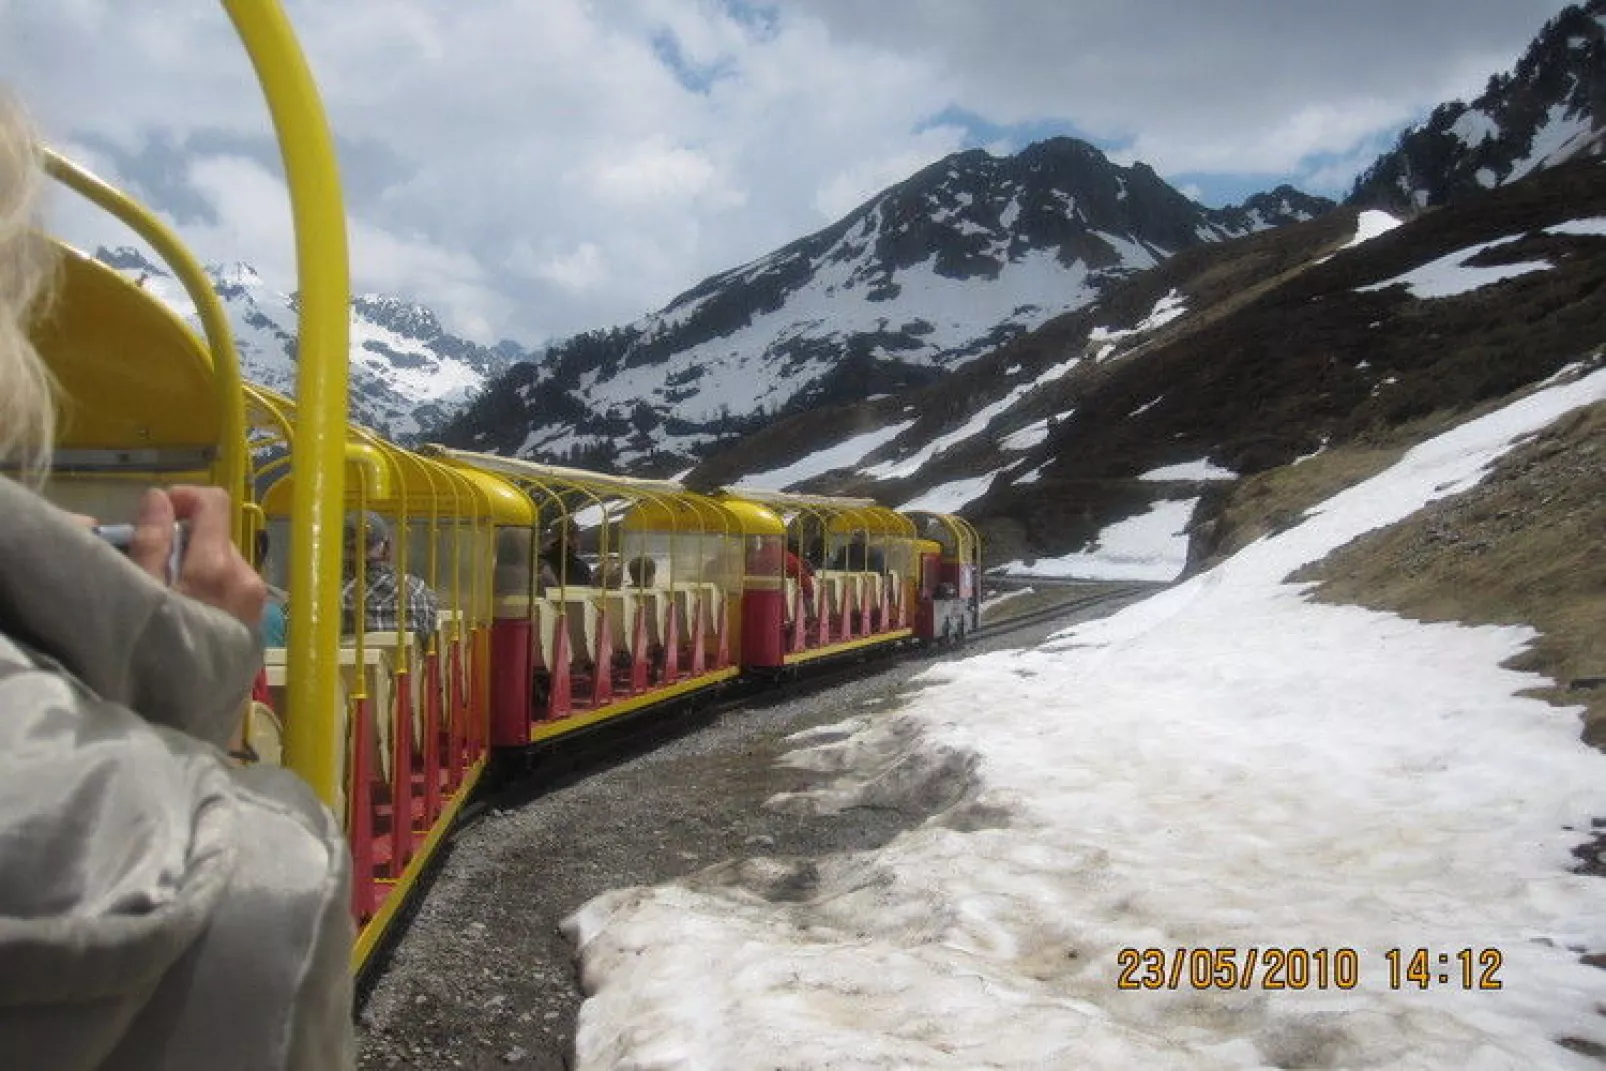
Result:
x=1548 y=110
x=1328 y=344
x=967 y=254
x=1236 y=358
x=407 y=372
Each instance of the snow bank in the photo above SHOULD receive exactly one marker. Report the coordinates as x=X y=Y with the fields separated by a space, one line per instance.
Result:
x=1223 y=765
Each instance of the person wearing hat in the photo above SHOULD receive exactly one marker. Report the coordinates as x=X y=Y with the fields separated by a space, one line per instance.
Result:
x=561 y=556
x=381 y=586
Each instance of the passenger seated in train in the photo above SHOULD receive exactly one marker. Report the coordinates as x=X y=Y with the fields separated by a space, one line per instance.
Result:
x=858 y=557
x=274 y=622
x=642 y=572
x=610 y=571
x=803 y=573
x=560 y=553
x=381 y=601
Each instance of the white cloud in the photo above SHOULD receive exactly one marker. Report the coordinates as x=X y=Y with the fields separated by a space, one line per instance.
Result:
x=579 y=270
x=540 y=169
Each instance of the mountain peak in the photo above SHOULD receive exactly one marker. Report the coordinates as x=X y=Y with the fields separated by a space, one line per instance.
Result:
x=126 y=258
x=400 y=315
x=924 y=277
x=1544 y=112
x=234 y=274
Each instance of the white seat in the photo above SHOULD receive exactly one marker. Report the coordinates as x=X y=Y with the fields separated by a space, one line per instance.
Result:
x=686 y=597
x=381 y=664
x=657 y=600
x=833 y=587
x=580 y=608
x=621 y=605
x=714 y=607
x=445 y=617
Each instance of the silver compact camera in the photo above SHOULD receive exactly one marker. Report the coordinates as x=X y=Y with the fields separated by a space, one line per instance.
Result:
x=121 y=536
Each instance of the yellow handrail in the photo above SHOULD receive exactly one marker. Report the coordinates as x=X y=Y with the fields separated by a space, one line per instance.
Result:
x=313 y=725
x=231 y=462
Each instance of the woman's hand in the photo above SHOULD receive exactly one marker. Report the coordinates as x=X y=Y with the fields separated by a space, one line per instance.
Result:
x=212 y=570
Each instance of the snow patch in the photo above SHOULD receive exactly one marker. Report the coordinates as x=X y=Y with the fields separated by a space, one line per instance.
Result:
x=1203 y=469
x=1149 y=546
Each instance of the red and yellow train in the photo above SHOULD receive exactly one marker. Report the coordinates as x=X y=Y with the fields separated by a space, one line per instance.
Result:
x=393 y=728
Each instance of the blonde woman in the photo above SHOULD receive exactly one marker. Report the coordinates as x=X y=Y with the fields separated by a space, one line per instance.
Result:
x=158 y=908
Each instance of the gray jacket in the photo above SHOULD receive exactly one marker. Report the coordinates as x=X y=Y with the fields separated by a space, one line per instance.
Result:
x=158 y=907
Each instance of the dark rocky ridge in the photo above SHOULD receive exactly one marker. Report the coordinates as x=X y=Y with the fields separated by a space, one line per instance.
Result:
x=1277 y=355
x=1562 y=72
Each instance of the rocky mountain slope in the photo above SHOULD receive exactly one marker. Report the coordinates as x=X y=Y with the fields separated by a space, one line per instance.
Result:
x=1547 y=110
x=924 y=278
x=1224 y=362
x=407 y=372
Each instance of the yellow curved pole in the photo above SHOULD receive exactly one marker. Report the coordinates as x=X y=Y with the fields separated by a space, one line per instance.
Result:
x=231 y=463
x=315 y=724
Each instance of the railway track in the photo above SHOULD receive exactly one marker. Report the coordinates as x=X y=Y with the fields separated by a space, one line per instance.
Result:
x=1009 y=623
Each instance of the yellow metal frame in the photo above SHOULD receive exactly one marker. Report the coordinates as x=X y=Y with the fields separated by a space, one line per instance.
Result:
x=794 y=658
x=368 y=940
x=323 y=329
x=646 y=505
x=966 y=540
x=548 y=730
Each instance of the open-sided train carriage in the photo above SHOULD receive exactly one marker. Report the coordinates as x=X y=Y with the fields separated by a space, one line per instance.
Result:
x=950 y=601
x=829 y=575
x=411 y=721
x=659 y=620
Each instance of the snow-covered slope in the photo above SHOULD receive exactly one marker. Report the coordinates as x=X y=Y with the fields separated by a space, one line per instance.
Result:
x=1225 y=362
x=924 y=278
x=407 y=372
x=1186 y=836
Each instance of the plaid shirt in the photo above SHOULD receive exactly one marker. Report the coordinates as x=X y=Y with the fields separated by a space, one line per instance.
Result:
x=380 y=602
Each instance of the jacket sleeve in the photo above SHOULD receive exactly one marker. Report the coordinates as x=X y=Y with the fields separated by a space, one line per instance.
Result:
x=157 y=908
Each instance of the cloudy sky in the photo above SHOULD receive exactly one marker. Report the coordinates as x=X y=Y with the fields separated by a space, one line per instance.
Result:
x=532 y=168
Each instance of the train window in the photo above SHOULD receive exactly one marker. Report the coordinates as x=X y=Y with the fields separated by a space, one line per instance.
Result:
x=107 y=499
x=900 y=556
x=514 y=550
x=766 y=554
x=722 y=564
x=418 y=547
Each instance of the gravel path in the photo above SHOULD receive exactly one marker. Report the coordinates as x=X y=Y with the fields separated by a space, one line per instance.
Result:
x=483 y=979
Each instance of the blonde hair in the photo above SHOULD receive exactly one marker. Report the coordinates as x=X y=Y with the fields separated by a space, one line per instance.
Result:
x=27 y=409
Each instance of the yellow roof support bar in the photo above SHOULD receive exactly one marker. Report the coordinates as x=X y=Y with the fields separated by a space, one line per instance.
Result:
x=231 y=463
x=513 y=466
x=313 y=726
x=784 y=498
